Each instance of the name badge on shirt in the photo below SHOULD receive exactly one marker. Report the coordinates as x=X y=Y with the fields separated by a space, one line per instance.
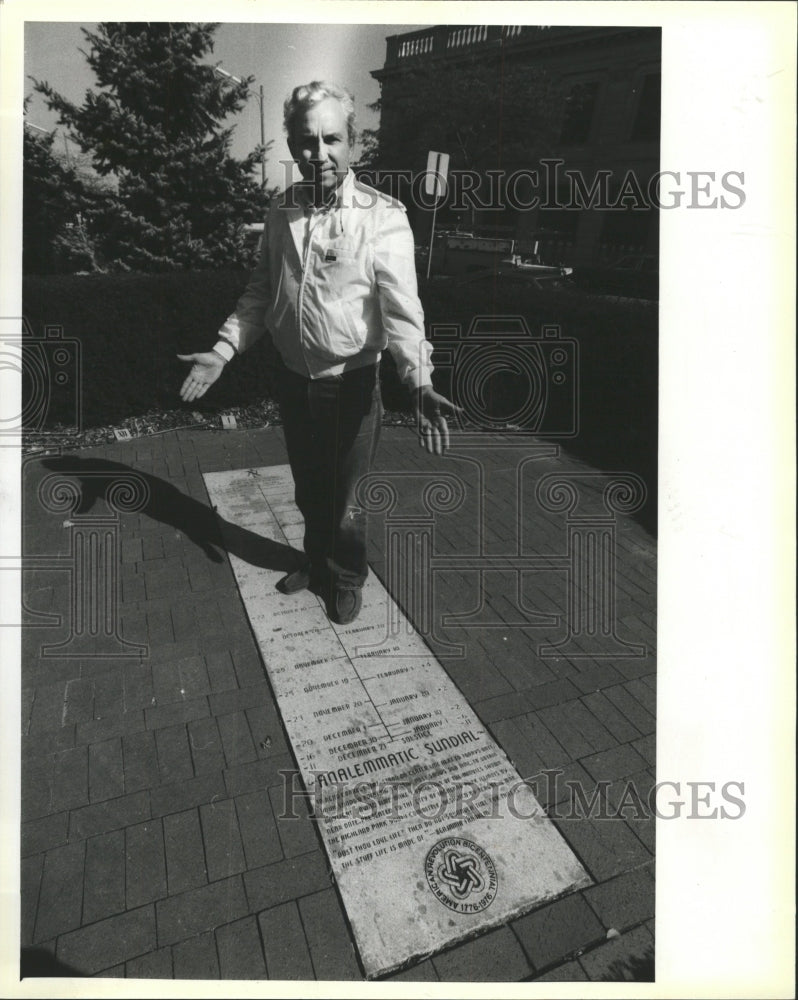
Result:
x=330 y=257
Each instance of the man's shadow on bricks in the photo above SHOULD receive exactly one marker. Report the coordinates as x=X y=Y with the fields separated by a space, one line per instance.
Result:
x=168 y=505
x=35 y=963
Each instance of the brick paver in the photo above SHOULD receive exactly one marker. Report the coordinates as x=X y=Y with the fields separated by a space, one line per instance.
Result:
x=206 y=746
x=61 y=892
x=492 y=957
x=30 y=877
x=224 y=849
x=185 y=854
x=626 y=958
x=39 y=835
x=285 y=944
x=104 y=877
x=154 y=965
x=196 y=958
x=70 y=777
x=105 y=816
x=291 y=878
x=152 y=839
x=331 y=949
x=557 y=930
x=140 y=761
x=258 y=774
x=189 y=913
x=240 y=950
x=624 y=901
x=194 y=792
x=109 y=942
x=258 y=827
x=145 y=876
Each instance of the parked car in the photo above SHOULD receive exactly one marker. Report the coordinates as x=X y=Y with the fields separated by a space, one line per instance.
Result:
x=529 y=269
x=633 y=276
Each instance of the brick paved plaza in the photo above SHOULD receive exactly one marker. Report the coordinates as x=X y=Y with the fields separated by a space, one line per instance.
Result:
x=152 y=789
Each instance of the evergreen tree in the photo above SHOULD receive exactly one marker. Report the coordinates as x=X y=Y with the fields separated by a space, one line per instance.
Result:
x=56 y=202
x=155 y=124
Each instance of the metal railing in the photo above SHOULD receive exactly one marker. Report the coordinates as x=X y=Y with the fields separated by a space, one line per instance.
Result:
x=444 y=39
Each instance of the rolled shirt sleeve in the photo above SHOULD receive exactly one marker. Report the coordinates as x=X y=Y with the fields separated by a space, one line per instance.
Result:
x=402 y=313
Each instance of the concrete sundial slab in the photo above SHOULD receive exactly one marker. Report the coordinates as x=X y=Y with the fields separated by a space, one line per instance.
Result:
x=432 y=835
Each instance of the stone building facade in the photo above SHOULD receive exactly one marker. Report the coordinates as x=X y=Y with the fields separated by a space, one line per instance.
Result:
x=608 y=136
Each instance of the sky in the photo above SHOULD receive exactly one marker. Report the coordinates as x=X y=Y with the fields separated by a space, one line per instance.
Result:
x=279 y=56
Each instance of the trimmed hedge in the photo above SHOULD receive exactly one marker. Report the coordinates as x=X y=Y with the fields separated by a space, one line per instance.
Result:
x=131 y=327
x=617 y=344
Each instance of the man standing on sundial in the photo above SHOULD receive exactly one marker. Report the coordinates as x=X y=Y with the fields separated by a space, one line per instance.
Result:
x=335 y=285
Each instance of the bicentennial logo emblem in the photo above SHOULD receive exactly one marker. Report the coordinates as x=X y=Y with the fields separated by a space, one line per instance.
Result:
x=461 y=875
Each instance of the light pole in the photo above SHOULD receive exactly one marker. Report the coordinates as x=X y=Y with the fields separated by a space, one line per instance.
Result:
x=52 y=132
x=259 y=95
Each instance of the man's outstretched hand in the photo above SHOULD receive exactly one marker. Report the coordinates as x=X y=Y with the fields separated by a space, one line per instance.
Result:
x=205 y=369
x=431 y=409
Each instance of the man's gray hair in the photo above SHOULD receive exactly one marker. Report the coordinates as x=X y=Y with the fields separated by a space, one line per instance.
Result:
x=308 y=94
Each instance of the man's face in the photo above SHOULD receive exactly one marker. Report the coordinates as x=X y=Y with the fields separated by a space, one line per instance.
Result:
x=320 y=145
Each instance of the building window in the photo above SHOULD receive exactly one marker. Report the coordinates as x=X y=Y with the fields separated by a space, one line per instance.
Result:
x=631 y=228
x=579 y=107
x=646 y=126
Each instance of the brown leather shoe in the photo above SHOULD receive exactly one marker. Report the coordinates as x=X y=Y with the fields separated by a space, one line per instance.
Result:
x=296 y=581
x=345 y=604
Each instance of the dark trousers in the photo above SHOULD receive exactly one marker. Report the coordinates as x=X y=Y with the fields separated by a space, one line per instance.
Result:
x=331 y=428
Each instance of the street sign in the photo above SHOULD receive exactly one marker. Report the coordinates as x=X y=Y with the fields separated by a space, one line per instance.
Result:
x=435 y=185
x=437 y=169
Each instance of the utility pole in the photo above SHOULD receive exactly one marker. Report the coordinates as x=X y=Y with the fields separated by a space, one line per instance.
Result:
x=262 y=140
x=259 y=96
